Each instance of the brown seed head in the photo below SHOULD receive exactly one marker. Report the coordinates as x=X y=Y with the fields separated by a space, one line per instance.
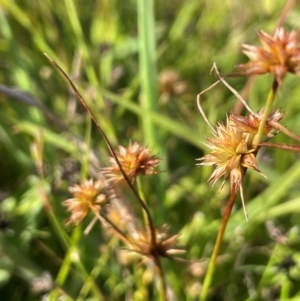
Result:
x=231 y=153
x=135 y=159
x=89 y=196
x=278 y=54
x=249 y=125
x=140 y=242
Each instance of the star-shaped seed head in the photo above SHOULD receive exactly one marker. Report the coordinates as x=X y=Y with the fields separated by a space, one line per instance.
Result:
x=135 y=159
x=89 y=196
x=278 y=54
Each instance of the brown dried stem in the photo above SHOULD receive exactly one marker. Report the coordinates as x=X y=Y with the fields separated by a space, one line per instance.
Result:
x=284 y=130
x=283 y=146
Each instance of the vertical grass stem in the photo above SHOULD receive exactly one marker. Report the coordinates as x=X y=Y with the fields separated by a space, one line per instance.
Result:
x=268 y=106
x=217 y=247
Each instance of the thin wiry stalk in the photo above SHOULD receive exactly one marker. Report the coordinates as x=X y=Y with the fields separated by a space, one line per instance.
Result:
x=243 y=203
x=110 y=148
x=200 y=108
x=283 y=146
x=90 y=226
x=118 y=231
x=238 y=108
x=162 y=277
x=268 y=106
x=283 y=129
x=141 y=193
x=288 y=7
x=238 y=96
x=217 y=247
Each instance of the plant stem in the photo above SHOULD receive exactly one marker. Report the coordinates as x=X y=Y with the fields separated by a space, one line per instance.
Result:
x=162 y=278
x=141 y=193
x=285 y=289
x=268 y=106
x=148 y=70
x=87 y=150
x=217 y=247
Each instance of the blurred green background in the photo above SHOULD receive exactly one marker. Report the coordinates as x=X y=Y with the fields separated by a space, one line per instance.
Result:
x=99 y=44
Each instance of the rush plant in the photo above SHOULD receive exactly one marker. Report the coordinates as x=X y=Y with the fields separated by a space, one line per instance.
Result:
x=132 y=193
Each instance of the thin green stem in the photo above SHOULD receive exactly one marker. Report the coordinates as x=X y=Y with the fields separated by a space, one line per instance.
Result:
x=285 y=289
x=268 y=106
x=217 y=247
x=62 y=275
x=162 y=278
x=97 y=269
x=88 y=280
x=67 y=262
x=141 y=193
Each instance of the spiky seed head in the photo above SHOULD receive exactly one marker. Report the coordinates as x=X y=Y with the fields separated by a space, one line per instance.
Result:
x=230 y=153
x=165 y=246
x=89 y=196
x=278 y=54
x=135 y=159
x=249 y=125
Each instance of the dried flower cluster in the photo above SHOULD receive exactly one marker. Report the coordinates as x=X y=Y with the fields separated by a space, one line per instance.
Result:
x=232 y=147
x=89 y=196
x=235 y=145
x=140 y=241
x=135 y=160
x=278 y=54
x=165 y=244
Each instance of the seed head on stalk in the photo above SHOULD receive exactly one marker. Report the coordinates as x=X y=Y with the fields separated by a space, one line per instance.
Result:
x=249 y=125
x=231 y=154
x=232 y=147
x=155 y=244
x=278 y=54
x=89 y=196
x=139 y=242
x=135 y=159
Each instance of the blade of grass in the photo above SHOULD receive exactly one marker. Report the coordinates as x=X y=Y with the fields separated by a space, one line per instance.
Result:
x=149 y=89
x=148 y=72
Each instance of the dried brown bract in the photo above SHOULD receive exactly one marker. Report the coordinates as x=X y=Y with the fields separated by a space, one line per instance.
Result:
x=278 y=54
x=89 y=196
x=250 y=124
x=231 y=153
x=135 y=160
x=165 y=244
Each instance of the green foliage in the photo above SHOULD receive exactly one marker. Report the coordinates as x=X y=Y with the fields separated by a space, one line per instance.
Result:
x=96 y=42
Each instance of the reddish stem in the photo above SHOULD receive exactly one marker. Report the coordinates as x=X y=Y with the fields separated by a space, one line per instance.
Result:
x=212 y=262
